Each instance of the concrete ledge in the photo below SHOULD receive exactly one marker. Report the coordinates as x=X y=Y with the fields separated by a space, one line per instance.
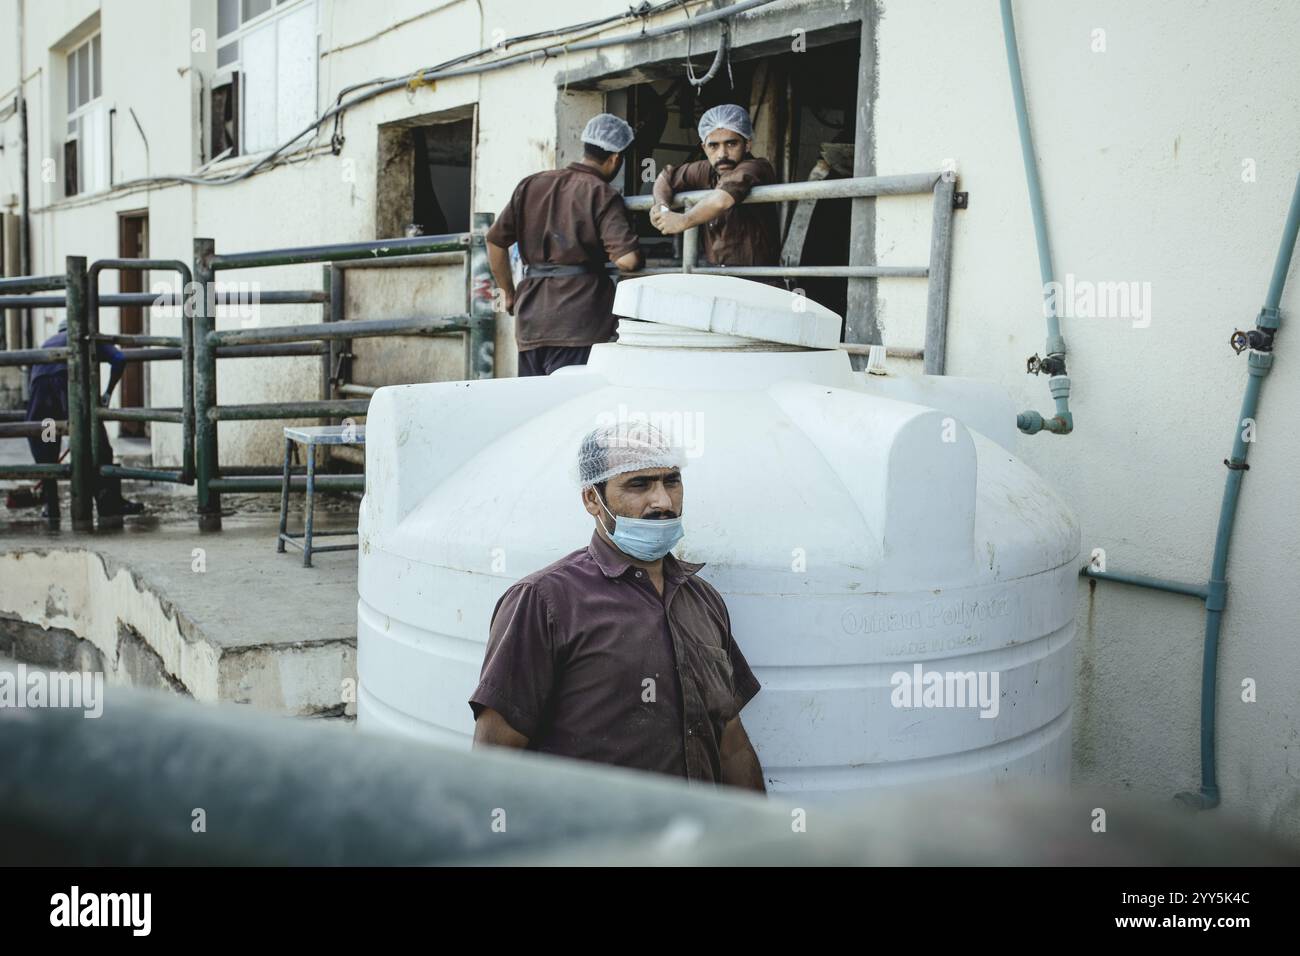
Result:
x=88 y=608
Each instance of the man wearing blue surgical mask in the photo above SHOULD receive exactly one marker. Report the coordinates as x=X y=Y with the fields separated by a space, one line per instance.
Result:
x=619 y=653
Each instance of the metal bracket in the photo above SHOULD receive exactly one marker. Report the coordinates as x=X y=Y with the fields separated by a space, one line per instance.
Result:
x=960 y=200
x=337 y=378
x=1238 y=466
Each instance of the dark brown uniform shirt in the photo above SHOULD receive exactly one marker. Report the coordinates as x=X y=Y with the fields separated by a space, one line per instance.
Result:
x=588 y=661
x=567 y=217
x=743 y=235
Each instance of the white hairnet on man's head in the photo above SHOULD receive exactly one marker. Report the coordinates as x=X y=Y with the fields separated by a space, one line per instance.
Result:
x=625 y=446
x=727 y=116
x=608 y=132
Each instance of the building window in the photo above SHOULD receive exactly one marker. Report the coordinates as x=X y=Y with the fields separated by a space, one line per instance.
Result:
x=271 y=46
x=425 y=182
x=85 y=148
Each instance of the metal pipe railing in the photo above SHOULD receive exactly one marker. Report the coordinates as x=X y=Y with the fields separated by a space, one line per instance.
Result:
x=808 y=272
x=162 y=300
x=30 y=429
x=175 y=416
x=36 y=471
x=32 y=356
x=275 y=483
x=185 y=415
x=81 y=433
x=271 y=411
x=858 y=187
x=331 y=338
x=419 y=260
x=937 y=270
x=14 y=294
x=32 y=302
x=356 y=328
x=381 y=249
x=33 y=284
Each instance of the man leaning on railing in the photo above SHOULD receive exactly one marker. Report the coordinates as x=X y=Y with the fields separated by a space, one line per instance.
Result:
x=733 y=234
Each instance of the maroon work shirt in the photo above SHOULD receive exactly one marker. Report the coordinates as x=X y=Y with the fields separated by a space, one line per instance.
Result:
x=744 y=235
x=568 y=217
x=588 y=661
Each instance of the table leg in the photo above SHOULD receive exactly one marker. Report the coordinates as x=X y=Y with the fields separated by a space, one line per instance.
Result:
x=284 y=498
x=311 y=492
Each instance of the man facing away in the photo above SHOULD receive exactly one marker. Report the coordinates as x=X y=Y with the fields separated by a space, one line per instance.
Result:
x=619 y=653
x=736 y=234
x=47 y=389
x=569 y=223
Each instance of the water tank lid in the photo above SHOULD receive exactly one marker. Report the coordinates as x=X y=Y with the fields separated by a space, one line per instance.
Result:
x=729 y=305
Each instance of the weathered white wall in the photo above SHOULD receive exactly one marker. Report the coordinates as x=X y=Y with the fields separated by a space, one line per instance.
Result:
x=1141 y=152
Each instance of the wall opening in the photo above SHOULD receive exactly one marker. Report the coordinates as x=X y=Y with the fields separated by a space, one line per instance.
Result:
x=425 y=175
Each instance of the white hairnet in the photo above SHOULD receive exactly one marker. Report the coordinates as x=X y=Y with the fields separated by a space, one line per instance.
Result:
x=608 y=132
x=632 y=445
x=727 y=116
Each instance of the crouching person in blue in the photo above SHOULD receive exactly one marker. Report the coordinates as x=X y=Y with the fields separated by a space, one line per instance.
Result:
x=48 y=398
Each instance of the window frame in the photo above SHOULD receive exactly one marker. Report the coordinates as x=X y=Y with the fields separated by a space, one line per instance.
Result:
x=75 y=109
x=224 y=71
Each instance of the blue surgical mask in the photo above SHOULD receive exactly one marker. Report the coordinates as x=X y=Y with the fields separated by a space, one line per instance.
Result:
x=647 y=539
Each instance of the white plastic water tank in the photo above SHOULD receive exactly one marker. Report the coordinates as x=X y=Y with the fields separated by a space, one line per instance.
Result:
x=860 y=529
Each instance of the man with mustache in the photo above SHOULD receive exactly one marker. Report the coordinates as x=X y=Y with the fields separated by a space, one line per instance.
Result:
x=735 y=234
x=619 y=653
x=570 y=224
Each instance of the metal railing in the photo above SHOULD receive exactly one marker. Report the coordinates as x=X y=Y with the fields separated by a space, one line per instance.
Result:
x=200 y=345
x=330 y=339
x=936 y=270
x=16 y=292
x=146 y=350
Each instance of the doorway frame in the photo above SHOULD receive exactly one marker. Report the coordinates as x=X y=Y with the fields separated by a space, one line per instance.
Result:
x=127 y=279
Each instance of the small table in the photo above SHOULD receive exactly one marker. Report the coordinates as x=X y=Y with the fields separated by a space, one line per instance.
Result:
x=310 y=436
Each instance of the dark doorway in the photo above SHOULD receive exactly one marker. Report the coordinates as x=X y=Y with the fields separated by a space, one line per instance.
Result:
x=132 y=243
x=804 y=107
x=424 y=182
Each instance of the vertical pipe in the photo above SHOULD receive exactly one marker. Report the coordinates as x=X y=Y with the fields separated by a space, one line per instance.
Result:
x=327 y=315
x=482 y=315
x=1046 y=269
x=284 y=497
x=187 y=377
x=690 y=242
x=1283 y=263
x=80 y=432
x=309 y=505
x=1259 y=363
x=936 y=305
x=92 y=370
x=338 y=294
x=203 y=304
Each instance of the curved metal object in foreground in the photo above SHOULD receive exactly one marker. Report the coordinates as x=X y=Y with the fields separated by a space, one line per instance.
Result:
x=125 y=788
